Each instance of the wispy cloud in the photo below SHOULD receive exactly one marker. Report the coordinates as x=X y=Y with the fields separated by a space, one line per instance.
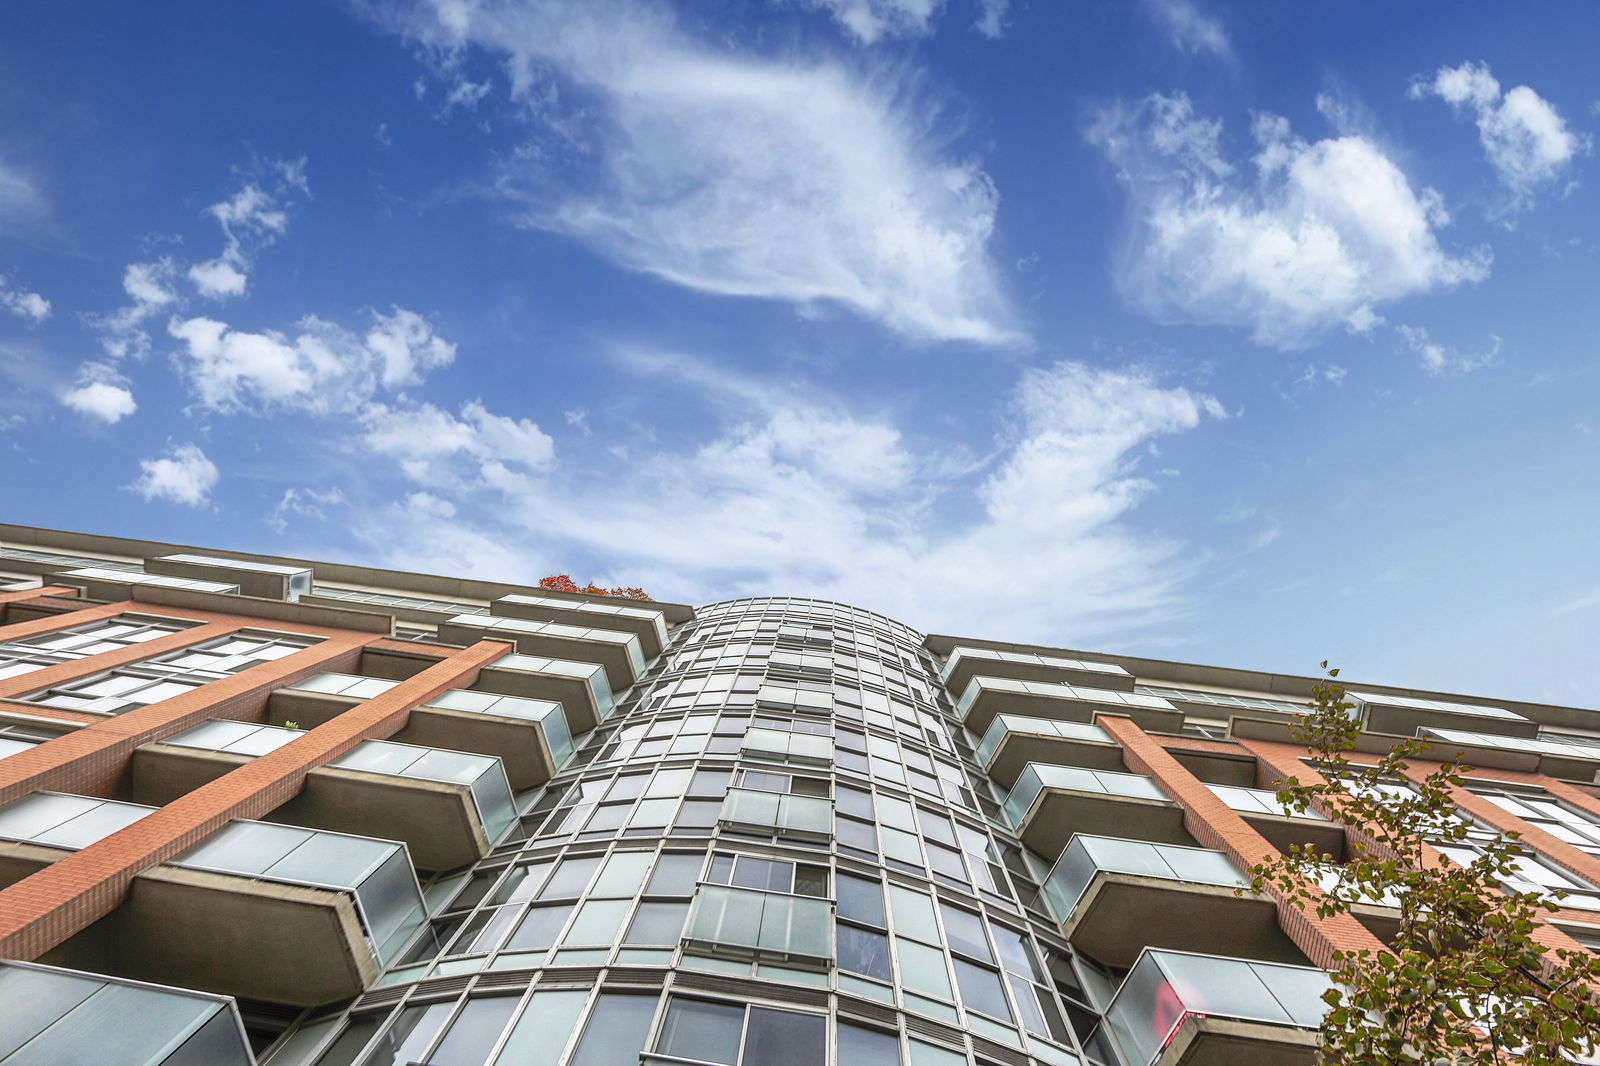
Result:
x=870 y=20
x=800 y=179
x=1525 y=139
x=252 y=218
x=1318 y=235
x=1189 y=28
x=182 y=475
x=793 y=490
x=22 y=203
x=1439 y=359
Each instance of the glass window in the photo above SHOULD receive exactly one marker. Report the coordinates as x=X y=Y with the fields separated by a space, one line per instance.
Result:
x=616 y=1031
x=863 y=951
x=540 y=928
x=980 y=989
x=785 y=1038
x=861 y=900
x=541 y=1034
x=474 y=1032
x=964 y=933
x=570 y=878
x=867 y=1047
x=696 y=1029
x=413 y=1030
x=657 y=923
x=675 y=874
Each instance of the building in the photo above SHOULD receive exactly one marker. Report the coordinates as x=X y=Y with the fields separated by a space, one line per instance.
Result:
x=269 y=810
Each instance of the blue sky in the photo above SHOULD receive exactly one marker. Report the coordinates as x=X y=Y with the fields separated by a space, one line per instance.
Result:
x=1245 y=333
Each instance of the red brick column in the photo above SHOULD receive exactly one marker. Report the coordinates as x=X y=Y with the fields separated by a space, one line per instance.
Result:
x=1216 y=825
x=42 y=910
x=33 y=594
x=91 y=760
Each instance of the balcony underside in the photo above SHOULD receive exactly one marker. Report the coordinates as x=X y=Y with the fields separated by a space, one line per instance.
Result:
x=437 y=821
x=1017 y=750
x=287 y=944
x=1203 y=1041
x=1122 y=914
x=1059 y=813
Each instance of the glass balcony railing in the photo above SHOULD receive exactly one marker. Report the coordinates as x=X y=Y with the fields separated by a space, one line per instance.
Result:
x=64 y=820
x=769 y=923
x=353 y=686
x=591 y=674
x=997 y=663
x=49 y=1015
x=1166 y=988
x=985 y=696
x=1048 y=728
x=614 y=646
x=546 y=714
x=491 y=795
x=784 y=746
x=1259 y=801
x=783 y=698
x=377 y=873
x=1088 y=856
x=1036 y=777
x=748 y=808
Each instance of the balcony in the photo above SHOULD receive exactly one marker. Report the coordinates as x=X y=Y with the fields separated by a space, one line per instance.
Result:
x=985 y=697
x=322 y=697
x=1049 y=804
x=802 y=700
x=772 y=812
x=260 y=911
x=645 y=623
x=103 y=583
x=530 y=737
x=1117 y=897
x=1404 y=715
x=779 y=745
x=619 y=652
x=1178 y=1009
x=1013 y=741
x=49 y=1015
x=581 y=688
x=447 y=807
x=1568 y=759
x=272 y=581
x=771 y=925
x=1260 y=808
x=965 y=663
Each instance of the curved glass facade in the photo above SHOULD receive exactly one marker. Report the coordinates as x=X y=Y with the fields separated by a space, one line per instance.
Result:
x=779 y=850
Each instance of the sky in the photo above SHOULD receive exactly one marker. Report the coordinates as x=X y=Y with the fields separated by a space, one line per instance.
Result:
x=1231 y=332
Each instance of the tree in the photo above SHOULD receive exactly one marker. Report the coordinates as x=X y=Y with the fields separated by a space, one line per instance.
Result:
x=1465 y=982
x=564 y=583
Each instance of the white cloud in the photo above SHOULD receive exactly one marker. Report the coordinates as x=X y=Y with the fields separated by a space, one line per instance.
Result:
x=428 y=441
x=149 y=287
x=1437 y=359
x=1321 y=233
x=793 y=179
x=251 y=219
x=1524 y=137
x=1189 y=28
x=306 y=503
x=182 y=475
x=101 y=392
x=24 y=304
x=869 y=20
x=804 y=495
x=992 y=18
x=322 y=368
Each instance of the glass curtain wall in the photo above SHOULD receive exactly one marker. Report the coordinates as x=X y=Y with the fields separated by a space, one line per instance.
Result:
x=779 y=850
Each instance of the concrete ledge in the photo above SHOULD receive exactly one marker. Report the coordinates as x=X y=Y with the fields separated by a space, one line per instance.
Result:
x=1059 y=813
x=1016 y=750
x=1121 y=914
x=1206 y=1041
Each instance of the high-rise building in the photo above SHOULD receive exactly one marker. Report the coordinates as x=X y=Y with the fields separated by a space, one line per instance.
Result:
x=257 y=809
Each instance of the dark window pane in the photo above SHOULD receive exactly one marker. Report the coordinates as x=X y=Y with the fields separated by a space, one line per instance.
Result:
x=811 y=881
x=474 y=1032
x=861 y=900
x=854 y=802
x=675 y=875
x=657 y=923
x=964 y=931
x=863 y=951
x=980 y=989
x=764 y=874
x=784 y=1038
x=570 y=878
x=699 y=1030
x=616 y=1031
x=867 y=1047
x=538 y=930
